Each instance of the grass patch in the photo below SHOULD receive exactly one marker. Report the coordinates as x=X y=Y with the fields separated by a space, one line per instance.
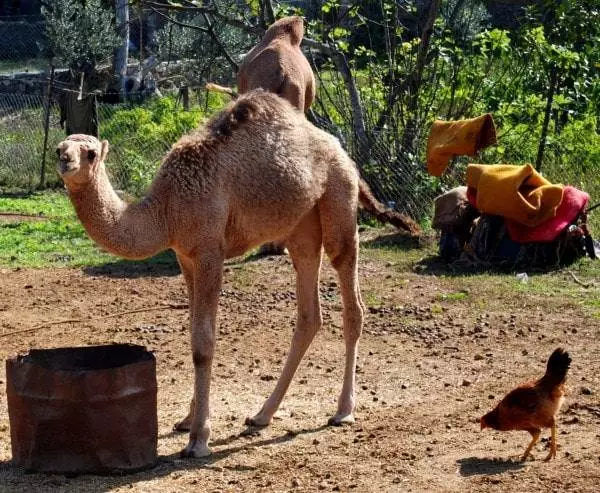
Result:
x=454 y=296
x=399 y=258
x=54 y=205
x=578 y=284
x=57 y=241
x=371 y=298
x=8 y=67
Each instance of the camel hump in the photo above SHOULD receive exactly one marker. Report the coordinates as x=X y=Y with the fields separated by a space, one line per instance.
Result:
x=291 y=28
x=255 y=105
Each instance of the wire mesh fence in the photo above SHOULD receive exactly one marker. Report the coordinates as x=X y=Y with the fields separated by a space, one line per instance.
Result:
x=140 y=134
x=191 y=52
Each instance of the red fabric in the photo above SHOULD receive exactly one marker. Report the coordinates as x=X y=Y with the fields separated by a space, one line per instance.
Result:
x=472 y=196
x=572 y=204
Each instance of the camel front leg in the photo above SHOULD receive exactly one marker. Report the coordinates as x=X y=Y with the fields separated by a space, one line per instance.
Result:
x=552 y=453
x=207 y=276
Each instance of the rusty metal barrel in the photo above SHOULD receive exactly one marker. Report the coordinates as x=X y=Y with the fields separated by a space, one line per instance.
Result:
x=83 y=409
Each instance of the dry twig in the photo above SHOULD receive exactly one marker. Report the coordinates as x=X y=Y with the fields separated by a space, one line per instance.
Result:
x=110 y=315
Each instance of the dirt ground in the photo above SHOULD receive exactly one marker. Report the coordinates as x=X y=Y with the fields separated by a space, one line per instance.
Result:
x=431 y=363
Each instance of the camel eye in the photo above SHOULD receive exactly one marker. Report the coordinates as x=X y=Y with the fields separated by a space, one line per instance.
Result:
x=91 y=155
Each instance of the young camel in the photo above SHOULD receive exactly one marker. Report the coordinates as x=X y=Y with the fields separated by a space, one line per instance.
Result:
x=256 y=172
x=277 y=64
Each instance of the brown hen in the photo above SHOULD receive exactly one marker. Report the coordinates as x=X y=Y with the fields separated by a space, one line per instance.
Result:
x=533 y=405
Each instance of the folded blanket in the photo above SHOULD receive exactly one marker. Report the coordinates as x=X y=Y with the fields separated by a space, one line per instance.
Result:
x=519 y=193
x=457 y=138
x=573 y=203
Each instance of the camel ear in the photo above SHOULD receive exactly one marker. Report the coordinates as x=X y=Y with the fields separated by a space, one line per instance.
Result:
x=104 y=150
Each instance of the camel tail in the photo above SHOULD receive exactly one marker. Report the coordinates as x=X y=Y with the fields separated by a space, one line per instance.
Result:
x=556 y=371
x=217 y=88
x=372 y=205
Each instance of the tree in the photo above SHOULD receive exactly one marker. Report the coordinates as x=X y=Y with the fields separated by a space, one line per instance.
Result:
x=80 y=34
x=564 y=53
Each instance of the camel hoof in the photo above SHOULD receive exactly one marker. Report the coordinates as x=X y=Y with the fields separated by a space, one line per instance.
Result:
x=196 y=450
x=341 y=420
x=182 y=426
x=256 y=422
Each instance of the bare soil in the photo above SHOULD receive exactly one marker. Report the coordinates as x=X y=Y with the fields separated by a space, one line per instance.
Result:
x=430 y=365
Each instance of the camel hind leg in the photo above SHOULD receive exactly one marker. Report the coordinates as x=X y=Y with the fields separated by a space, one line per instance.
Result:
x=187 y=269
x=304 y=246
x=340 y=239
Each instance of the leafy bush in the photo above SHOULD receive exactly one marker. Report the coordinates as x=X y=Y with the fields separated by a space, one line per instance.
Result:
x=140 y=137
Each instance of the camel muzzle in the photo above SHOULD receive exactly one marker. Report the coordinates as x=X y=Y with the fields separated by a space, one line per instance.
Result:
x=66 y=167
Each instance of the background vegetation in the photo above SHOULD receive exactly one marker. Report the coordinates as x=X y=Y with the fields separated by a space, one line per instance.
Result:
x=385 y=70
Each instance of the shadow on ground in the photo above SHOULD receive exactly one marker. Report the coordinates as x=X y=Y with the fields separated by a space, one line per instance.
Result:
x=402 y=241
x=14 y=479
x=434 y=265
x=161 y=265
x=476 y=466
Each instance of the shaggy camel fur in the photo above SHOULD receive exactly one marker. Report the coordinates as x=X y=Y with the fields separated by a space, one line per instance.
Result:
x=256 y=172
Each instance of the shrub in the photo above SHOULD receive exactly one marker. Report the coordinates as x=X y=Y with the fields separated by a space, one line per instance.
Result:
x=140 y=137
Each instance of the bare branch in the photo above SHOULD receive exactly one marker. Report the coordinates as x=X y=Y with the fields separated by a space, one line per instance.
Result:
x=221 y=46
x=179 y=23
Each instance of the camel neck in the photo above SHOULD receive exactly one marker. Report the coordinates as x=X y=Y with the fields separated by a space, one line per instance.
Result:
x=132 y=231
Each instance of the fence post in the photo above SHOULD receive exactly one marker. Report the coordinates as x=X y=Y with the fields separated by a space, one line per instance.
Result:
x=46 y=128
x=185 y=97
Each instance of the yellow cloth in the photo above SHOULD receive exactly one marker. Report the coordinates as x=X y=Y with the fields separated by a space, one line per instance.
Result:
x=515 y=192
x=457 y=138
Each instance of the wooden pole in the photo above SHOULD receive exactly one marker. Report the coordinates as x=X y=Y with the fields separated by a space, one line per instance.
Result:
x=46 y=127
x=185 y=97
x=141 y=15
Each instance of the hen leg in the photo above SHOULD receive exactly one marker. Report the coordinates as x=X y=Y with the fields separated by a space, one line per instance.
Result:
x=552 y=453
x=535 y=436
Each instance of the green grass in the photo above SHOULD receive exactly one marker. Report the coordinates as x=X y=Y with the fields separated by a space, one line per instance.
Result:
x=57 y=241
x=54 y=205
x=578 y=284
x=454 y=296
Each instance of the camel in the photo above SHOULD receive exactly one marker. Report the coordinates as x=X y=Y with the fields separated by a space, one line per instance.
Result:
x=256 y=172
x=277 y=64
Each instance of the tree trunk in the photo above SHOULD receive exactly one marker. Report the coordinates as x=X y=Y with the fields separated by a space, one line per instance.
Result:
x=547 y=115
x=122 y=54
x=362 y=143
x=416 y=78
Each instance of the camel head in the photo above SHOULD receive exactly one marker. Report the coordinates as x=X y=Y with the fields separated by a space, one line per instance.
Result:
x=79 y=157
